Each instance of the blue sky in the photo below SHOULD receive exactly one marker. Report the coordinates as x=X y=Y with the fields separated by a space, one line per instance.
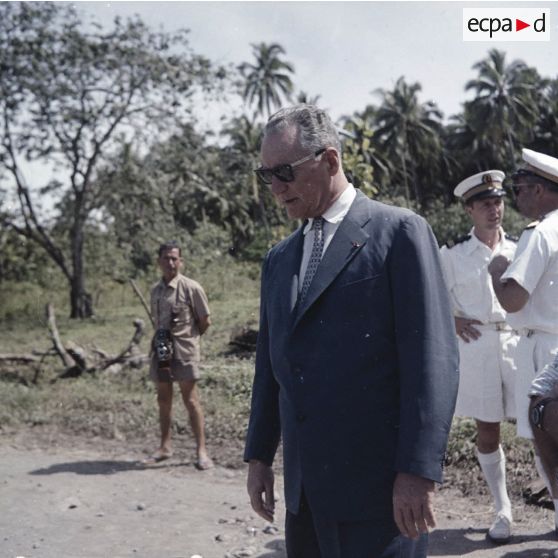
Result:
x=346 y=50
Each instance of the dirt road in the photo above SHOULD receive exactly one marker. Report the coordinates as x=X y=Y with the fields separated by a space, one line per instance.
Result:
x=97 y=502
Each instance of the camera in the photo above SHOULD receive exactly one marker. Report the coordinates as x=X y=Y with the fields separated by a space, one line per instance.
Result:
x=162 y=343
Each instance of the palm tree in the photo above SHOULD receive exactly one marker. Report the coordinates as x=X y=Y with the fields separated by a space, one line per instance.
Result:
x=268 y=80
x=546 y=131
x=409 y=132
x=244 y=135
x=504 y=110
x=475 y=152
x=306 y=98
x=244 y=143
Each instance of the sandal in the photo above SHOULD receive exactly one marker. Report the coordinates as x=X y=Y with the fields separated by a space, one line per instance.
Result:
x=157 y=457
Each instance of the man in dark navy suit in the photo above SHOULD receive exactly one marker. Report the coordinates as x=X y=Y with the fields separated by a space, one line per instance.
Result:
x=356 y=366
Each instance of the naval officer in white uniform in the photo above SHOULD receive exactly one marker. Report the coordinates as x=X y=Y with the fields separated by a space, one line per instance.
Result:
x=527 y=288
x=486 y=342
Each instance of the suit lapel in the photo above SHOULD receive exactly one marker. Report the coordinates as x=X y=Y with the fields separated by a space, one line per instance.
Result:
x=285 y=280
x=345 y=244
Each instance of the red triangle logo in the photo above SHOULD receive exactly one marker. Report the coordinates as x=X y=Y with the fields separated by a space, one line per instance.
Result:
x=519 y=25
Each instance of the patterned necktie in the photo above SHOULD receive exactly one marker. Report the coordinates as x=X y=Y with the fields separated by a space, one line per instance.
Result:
x=315 y=256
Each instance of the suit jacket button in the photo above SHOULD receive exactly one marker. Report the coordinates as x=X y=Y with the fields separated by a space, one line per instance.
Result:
x=301 y=417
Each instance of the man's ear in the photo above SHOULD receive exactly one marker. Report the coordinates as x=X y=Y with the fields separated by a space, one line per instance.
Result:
x=540 y=189
x=333 y=160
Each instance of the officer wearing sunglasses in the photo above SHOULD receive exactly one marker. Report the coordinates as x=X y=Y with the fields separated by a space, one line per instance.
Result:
x=521 y=178
x=527 y=288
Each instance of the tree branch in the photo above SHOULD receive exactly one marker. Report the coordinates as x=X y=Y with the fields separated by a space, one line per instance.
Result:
x=55 y=336
x=23 y=358
x=136 y=338
x=33 y=229
x=143 y=301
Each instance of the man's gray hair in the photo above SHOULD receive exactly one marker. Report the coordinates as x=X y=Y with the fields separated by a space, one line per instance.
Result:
x=315 y=128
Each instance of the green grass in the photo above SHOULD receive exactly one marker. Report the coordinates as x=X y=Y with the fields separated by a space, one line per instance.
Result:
x=463 y=470
x=232 y=289
x=122 y=406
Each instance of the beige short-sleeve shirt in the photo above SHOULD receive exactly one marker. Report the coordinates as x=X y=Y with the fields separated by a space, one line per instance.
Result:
x=178 y=306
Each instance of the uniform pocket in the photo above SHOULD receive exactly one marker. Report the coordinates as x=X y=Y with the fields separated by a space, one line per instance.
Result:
x=181 y=316
x=468 y=288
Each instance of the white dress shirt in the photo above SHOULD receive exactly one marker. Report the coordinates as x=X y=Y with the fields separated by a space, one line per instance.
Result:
x=332 y=219
x=467 y=278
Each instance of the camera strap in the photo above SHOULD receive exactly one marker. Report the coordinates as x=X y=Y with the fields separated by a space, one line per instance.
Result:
x=176 y=298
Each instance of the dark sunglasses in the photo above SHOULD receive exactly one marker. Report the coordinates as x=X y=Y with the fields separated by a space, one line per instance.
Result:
x=514 y=184
x=284 y=173
x=515 y=188
x=520 y=173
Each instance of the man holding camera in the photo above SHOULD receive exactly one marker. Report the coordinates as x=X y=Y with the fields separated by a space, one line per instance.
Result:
x=181 y=314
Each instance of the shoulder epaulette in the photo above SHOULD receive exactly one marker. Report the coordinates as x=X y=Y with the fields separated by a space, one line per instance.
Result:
x=511 y=237
x=531 y=225
x=458 y=240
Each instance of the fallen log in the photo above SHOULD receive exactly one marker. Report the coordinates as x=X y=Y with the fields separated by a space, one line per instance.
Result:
x=126 y=353
x=77 y=359
x=23 y=359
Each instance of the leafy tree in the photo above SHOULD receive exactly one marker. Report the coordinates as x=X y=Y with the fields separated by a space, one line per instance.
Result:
x=444 y=175
x=183 y=184
x=268 y=80
x=503 y=114
x=361 y=160
x=241 y=157
x=244 y=136
x=67 y=97
x=20 y=259
x=132 y=208
x=409 y=133
x=546 y=129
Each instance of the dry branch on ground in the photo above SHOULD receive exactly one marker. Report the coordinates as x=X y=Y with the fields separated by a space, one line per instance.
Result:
x=77 y=359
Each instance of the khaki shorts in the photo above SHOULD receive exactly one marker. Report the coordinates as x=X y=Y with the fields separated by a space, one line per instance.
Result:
x=180 y=371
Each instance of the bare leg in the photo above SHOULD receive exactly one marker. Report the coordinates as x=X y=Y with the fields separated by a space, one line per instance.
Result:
x=191 y=400
x=488 y=436
x=164 y=399
x=546 y=441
